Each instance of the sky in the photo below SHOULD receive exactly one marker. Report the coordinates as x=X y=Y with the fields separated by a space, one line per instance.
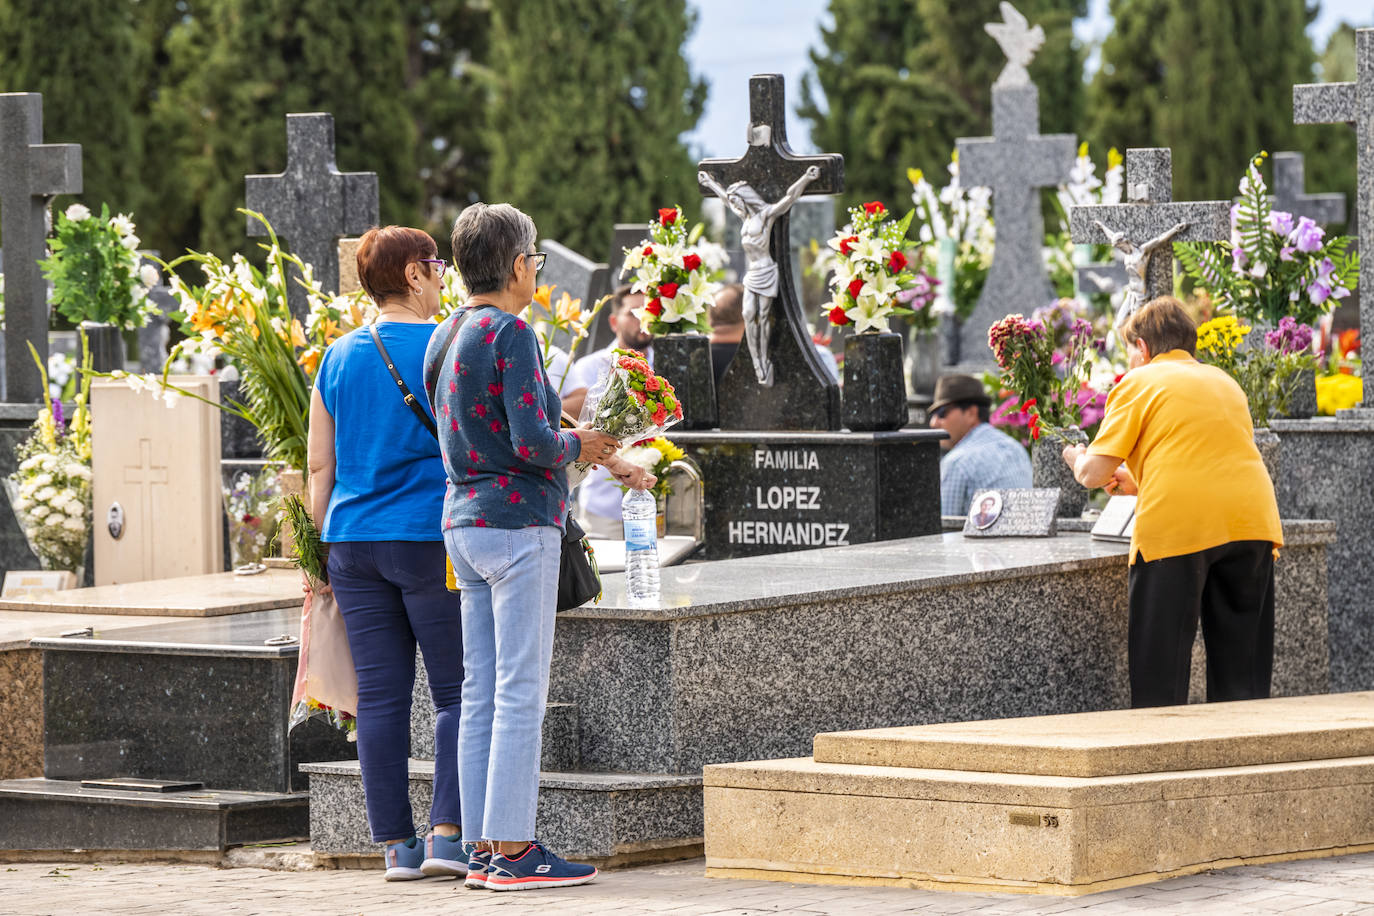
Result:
x=735 y=39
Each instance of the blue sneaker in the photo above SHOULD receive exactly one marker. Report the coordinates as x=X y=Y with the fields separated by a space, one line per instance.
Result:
x=445 y=856
x=534 y=868
x=479 y=866
x=403 y=860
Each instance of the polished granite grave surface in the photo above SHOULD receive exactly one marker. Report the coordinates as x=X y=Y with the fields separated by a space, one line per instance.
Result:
x=213 y=595
x=241 y=635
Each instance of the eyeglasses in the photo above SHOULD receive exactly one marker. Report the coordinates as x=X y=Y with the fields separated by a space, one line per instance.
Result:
x=439 y=264
x=939 y=414
x=537 y=258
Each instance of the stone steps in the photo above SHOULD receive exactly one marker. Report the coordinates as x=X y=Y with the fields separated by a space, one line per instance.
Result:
x=61 y=814
x=1057 y=804
x=588 y=816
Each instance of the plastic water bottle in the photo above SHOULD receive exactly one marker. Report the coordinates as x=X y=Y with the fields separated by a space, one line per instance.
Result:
x=639 y=510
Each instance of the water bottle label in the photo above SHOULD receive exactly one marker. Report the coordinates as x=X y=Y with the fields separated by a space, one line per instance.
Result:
x=641 y=534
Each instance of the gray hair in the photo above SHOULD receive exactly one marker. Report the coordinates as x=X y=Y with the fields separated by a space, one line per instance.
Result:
x=486 y=241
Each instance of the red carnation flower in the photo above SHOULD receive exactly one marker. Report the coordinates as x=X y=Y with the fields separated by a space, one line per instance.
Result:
x=856 y=286
x=653 y=307
x=691 y=262
x=648 y=251
x=640 y=396
x=652 y=383
x=667 y=216
x=897 y=262
x=846 y=245
x=660 y=416
x=874 y=207
x=667 y=290
x=838 y=317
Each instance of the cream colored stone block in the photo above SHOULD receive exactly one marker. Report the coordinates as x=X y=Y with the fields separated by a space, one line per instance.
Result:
x=211 y=595
x=348 y=266
x=161 y=466
x=1124 y=741
x=807 y=821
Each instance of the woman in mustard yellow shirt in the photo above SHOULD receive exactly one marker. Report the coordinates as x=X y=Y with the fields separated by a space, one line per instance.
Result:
x=1207 y=523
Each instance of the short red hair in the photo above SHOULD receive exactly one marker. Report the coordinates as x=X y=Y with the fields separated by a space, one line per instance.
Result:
x=383 y=255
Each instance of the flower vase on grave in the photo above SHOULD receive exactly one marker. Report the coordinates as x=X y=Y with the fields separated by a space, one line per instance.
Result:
x=1048 y=469
x=292 y=483
x=922 y=363
x=1302 y=402
x=685 y=361
x=874 y=396
x=107 y=345
x=1267 y=441
x=250 y=505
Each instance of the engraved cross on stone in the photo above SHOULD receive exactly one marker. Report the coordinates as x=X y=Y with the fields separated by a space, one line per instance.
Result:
x=312 y=204
x=145 y=475
x=1151 y=213
x=1015 y=162
x=803 y=396
x=1350 y=103
x=31 y=173
x=1290 y=196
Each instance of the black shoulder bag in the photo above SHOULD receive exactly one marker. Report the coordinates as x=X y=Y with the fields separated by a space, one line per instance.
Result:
x=579 y=580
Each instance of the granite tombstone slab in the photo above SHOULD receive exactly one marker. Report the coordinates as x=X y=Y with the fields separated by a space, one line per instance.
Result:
x=312 y=204
x=1290 y=194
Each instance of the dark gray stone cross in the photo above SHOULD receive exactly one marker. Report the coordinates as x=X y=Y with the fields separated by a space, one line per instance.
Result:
x=312 y=204
x=1015 y=162
x=31 y=173
x=1290 y=195
x=1149 y=214
x=803 y=395
x=1350 y=103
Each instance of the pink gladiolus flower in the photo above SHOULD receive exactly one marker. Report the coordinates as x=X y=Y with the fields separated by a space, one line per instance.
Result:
x=1307 y=236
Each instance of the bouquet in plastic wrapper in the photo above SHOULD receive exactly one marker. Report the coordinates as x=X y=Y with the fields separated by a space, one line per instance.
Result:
x=628 y=401
x=326 y=682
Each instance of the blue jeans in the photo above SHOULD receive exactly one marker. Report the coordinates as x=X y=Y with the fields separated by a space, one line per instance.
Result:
x=392 y=594
x=509 y=578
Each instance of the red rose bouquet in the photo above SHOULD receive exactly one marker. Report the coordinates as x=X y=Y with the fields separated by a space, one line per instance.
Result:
x=629 y=401
x=678 y=274
x=870 y=269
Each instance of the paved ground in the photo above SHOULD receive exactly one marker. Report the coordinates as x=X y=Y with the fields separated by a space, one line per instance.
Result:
x=1314 y=887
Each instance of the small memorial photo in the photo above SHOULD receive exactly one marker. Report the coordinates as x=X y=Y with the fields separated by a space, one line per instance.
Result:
x=985 y=511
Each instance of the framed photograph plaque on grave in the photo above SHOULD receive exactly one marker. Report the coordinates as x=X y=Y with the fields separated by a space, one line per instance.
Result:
x=1021 y=513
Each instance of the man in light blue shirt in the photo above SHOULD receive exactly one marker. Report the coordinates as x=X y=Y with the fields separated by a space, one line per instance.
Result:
x=977 y=456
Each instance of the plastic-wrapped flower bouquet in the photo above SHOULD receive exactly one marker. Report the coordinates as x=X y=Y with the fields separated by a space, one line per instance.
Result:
x=629 y=402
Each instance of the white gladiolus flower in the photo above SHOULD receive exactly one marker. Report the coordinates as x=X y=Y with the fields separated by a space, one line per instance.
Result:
x=170 y=397
x=77 y=212
x=122 y=224
x=633 y=258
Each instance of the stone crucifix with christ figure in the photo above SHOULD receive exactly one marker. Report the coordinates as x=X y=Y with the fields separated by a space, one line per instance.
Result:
x=1144 y=228
x=777 y=381
x=312 y=204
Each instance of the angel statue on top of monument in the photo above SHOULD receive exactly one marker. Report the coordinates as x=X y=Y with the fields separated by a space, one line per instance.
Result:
x=760 y=279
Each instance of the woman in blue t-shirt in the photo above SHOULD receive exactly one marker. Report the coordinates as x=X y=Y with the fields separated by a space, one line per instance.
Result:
x=378 y=482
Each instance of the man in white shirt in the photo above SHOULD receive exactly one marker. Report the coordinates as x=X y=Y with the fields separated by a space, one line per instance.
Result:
x=598 y=498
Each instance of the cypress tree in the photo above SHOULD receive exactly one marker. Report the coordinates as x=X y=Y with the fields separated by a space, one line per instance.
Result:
x=84 y=63
x=590 y=103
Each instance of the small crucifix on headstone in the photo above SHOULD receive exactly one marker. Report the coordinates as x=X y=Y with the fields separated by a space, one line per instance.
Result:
x=31 y=174
x=1350 y=103
x=778 y=381
x=1145 y=227
x=1290 y=195
x=312 y=204
x=1015 y=162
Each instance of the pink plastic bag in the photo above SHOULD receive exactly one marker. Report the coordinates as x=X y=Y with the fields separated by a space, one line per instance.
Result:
x=326 y=682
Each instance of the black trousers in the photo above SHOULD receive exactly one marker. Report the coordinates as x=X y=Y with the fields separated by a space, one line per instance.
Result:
x=1231 y=589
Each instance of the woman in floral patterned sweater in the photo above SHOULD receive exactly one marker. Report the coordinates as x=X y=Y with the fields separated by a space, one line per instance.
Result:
x=504 y=513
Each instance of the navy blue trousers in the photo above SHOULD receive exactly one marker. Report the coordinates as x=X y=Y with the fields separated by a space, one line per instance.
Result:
x=392 y=596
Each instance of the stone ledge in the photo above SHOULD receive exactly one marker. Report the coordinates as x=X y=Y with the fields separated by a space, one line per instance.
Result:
x=1339 y=425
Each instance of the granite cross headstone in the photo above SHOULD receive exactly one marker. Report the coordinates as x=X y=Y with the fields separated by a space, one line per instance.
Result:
x=1291 y=196
x=802 y=395
x=1350 y=103
x=153 y=337
x=31 y=173
x=312 y=204
x=1151 y=215
x=1015 y=162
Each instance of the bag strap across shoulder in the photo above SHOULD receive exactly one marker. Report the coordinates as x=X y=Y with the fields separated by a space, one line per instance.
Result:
x=411 y=401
